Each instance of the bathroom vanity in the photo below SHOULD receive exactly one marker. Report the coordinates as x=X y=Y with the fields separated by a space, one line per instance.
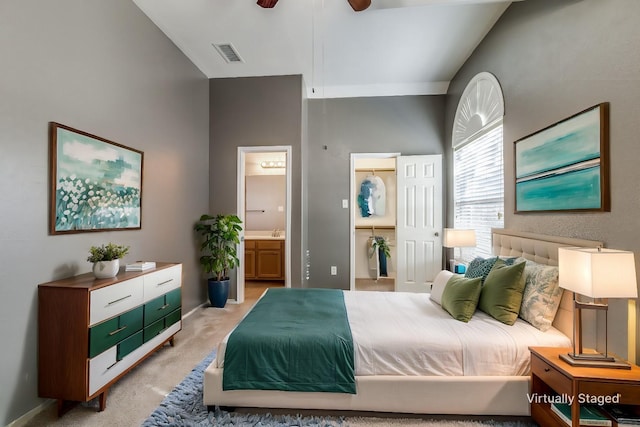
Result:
x=264 y=256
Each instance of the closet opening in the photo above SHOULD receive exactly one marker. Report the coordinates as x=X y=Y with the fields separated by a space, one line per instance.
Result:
x=373 y=221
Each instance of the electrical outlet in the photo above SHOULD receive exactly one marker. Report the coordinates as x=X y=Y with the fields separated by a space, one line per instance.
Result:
x=334 y=270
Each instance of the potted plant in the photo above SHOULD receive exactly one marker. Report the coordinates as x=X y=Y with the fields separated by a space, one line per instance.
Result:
x=220 y=235
x=106 y=259
x=381 y=246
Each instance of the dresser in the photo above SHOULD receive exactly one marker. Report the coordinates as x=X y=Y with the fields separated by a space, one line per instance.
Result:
x=93 y=331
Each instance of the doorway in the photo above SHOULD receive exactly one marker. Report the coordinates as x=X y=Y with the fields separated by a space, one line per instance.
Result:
x=364 y=263
x=265 y=244
x=410 y=221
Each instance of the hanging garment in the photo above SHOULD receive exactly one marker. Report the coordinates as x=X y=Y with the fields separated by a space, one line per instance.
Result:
x=372 y=198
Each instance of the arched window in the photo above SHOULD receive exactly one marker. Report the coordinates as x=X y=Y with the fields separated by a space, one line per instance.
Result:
x=478 y=171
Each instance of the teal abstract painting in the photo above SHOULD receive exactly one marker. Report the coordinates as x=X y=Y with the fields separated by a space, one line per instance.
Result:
x=96 y=183
x=564 y=166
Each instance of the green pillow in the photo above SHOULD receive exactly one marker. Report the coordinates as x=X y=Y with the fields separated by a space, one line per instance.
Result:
x=460 y=297
x=502 y=292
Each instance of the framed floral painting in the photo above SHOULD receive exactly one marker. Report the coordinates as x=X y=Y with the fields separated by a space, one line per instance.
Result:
x=95 y=184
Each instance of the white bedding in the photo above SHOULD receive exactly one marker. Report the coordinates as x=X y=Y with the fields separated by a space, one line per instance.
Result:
x=401 y=333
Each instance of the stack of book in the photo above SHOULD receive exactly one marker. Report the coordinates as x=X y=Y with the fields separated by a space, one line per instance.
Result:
x=140 y=266
x=625 y=415
x=589 y=415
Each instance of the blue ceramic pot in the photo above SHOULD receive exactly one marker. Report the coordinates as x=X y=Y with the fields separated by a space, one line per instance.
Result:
x=218 y=292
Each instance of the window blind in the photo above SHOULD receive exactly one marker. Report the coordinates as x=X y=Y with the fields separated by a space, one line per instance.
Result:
x=479 y=188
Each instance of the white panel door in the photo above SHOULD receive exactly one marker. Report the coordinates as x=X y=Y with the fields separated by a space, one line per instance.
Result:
x=419 y=222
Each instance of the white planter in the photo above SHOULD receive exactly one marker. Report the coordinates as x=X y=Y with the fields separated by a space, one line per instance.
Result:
x=106 y=269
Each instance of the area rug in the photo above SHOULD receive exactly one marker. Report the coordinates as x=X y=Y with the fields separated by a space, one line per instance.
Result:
x=183 y=407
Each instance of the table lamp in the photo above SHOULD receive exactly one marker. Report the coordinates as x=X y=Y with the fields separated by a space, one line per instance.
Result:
x=597 y=273
x=458 y=238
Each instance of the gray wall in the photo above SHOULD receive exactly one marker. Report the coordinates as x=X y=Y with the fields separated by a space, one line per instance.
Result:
x=255 y=111
x=102 y=67
x=407 y=124
x=553 y=59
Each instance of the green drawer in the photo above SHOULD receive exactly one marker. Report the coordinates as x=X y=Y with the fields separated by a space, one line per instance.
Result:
x=173 y=317
x=129 y=344
x=161 y=306
x=110 y=332
x=153 y=329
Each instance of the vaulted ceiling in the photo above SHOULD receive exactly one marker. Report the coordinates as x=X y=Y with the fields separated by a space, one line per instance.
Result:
x=394 y=47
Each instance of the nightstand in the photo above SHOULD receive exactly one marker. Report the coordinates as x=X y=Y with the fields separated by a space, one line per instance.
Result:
x=551 y=376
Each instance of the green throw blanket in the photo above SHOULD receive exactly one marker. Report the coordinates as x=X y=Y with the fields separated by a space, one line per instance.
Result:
x=292 y=340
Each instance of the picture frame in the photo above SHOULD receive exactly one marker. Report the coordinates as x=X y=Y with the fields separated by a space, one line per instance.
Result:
x=565 y=166
x=95 y=184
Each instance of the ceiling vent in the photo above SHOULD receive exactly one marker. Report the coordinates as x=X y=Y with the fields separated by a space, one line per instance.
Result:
x=228 y=52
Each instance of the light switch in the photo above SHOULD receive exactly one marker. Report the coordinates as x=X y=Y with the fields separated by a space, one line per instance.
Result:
x=345 y=204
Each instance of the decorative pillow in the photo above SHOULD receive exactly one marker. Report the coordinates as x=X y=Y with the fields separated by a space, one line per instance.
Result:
x=438 y=285
x=542 y=295
x=480 y=267
x=501 y=295
x=511 y=260
x=460 y=297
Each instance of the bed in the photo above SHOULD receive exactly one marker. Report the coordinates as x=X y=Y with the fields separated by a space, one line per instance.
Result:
x=389 y=380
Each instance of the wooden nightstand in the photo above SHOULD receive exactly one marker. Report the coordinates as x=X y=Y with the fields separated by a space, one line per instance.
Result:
x=552 y=376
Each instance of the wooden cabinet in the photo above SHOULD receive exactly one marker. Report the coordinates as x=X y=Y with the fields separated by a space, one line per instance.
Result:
x=264 y=259
x=552 y=376
x=249 y=259
x=93 y=331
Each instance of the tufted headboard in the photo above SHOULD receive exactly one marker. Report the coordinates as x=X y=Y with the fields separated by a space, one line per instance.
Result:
x=542 y=249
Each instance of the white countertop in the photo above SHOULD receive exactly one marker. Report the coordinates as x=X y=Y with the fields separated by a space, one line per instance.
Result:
x=263 y=235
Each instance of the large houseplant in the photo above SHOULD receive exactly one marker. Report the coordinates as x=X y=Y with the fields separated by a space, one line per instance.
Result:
x=220 y=237
x=106 y=259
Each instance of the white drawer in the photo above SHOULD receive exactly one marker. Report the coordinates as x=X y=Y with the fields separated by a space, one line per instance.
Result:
x=112 y=300
x=162 y=281
x=103 y=368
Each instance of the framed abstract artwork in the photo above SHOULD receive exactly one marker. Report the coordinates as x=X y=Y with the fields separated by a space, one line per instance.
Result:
x=565 y=167
x=95 y=184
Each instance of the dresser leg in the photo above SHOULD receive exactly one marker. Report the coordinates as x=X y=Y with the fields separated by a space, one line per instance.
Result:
x=171 y=342
x=65 y=406
x=102 y=400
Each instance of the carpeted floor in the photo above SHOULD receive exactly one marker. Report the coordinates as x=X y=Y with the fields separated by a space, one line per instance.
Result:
x=184 y=407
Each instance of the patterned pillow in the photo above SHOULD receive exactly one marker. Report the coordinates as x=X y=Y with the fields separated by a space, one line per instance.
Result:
x=480 y=267
x=542 y=295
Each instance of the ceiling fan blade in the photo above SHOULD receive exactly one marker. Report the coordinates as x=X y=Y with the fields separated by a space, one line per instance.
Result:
x=267 y=3
x=359 y=5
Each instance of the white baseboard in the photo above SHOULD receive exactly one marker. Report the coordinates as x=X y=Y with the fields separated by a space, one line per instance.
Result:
x=23 y=420
x=193 y=310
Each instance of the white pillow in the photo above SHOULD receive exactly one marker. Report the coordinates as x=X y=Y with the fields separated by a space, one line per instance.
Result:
x=438 y=285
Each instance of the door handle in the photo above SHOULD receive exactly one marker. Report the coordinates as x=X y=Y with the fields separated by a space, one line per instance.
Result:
x=436 y=234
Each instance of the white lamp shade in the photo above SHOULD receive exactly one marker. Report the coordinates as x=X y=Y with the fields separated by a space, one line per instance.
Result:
x=458 y=238
x=598 y=273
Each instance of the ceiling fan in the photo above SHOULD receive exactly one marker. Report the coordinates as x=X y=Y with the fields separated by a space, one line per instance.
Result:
x=357 y=5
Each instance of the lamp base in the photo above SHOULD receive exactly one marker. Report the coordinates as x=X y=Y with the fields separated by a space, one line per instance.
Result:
x=595 y=360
